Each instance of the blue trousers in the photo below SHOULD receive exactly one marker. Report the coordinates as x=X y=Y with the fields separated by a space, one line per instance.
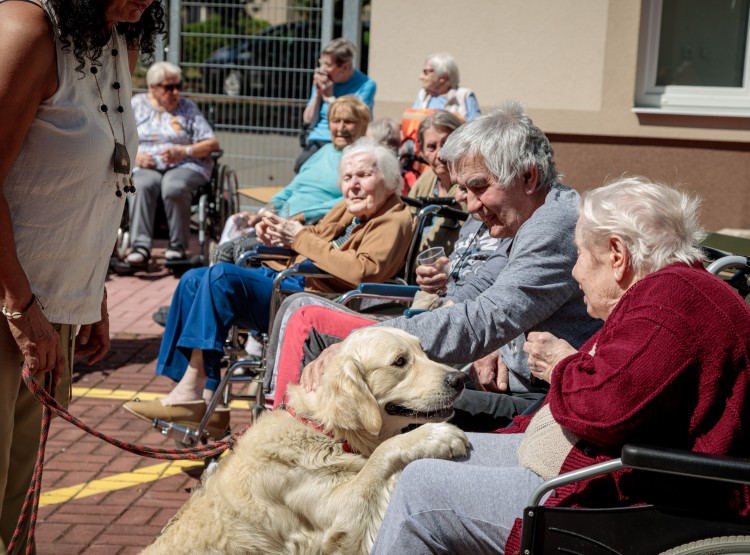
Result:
x=206 y=304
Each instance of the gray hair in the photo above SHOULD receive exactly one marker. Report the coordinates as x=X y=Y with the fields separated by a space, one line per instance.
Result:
x=443 y=64
x=658 y=224
x=385 y=131
x=438 y=118
x=509 y=143
x=385 y=159
x=159 y=71
x=341 y=50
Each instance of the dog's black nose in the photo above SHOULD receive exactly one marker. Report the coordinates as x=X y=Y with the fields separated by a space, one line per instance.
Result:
x=455 y=380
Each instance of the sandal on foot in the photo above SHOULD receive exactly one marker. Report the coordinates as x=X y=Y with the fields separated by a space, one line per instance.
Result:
x=138 y=257
x=173 y=254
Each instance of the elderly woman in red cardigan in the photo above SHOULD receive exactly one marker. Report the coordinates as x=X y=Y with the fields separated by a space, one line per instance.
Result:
x=670 y=367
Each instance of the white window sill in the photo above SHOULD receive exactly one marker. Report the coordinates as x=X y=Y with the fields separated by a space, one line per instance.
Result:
x=696 y=111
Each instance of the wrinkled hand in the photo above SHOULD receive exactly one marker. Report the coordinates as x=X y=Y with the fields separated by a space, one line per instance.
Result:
x=172 y=155
x=323 y=83
x=432 y=280
x=143 y=160
x=314 y=370
x=93 y=339
x=39 y=343
x=280 y=231
x=490 y=373
x=545 y=352
x=261 y=233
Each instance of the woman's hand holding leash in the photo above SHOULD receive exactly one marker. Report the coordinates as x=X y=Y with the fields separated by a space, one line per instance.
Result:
x=39 y=343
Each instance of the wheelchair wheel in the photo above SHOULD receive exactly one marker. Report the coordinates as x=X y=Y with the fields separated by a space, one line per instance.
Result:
x=227 y=196
x=724 y=544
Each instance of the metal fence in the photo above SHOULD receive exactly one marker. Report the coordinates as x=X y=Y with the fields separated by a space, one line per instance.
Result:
x=248 y=65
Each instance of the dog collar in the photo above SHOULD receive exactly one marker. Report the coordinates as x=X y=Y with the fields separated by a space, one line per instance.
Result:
x=314 y=425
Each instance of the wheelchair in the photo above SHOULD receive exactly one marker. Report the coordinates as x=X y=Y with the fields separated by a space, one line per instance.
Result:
x=249 y=375
x=212 y=204
x=645 y=529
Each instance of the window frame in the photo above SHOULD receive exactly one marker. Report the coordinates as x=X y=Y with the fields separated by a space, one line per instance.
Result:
x=680 y=99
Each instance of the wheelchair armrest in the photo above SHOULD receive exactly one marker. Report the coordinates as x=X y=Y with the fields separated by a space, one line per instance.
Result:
x=216 y=154
x=411 y=312
x=452 y=213
x=445 y=207
x=263 y=250
x=308 y=267
x=386 y=291
x=686 y=463
x=655 y=459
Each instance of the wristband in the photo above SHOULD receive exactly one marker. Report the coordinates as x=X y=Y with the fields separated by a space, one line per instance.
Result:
x=16 y=315
x=189 y=151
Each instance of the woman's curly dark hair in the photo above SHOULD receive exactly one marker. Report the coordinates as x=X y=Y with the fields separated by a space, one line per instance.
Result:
x=83 y=27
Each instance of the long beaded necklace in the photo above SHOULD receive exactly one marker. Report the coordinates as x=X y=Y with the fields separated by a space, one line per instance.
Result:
x=120 y=157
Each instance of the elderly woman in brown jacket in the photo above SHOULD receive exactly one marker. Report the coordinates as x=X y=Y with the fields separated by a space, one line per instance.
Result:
x=364 y=238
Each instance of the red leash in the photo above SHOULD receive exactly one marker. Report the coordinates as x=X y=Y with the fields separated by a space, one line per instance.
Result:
x=50 y=405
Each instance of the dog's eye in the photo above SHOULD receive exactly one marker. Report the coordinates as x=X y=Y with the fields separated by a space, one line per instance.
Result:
x=400 y=361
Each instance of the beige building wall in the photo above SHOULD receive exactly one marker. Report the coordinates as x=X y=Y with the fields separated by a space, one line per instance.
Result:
x=573 y=63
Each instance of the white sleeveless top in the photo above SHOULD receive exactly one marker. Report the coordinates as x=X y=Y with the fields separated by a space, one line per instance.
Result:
x=61 y=188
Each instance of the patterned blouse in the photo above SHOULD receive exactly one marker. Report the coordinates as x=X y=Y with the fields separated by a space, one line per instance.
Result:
x=159 y=129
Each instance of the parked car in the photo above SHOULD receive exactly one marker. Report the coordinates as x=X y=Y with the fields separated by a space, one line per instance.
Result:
x=278 y=63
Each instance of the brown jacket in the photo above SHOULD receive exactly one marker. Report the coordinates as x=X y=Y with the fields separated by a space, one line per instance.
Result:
x=374 y=252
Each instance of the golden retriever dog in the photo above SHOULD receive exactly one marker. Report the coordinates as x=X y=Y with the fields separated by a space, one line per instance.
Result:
x=316 y=478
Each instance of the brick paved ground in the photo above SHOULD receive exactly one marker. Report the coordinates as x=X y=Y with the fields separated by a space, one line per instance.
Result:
x=120 y=515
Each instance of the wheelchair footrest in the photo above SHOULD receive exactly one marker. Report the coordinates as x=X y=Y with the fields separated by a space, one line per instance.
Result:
x=183 y=434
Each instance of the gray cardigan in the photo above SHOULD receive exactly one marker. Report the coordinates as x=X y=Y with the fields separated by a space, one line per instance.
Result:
x=534 y=292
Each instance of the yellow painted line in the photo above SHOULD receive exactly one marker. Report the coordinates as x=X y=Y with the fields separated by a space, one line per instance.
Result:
x=125 y=479
x=128 y=395
x=116 y=482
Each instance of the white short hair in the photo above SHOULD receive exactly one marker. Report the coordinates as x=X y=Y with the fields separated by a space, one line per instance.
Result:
x=659 y=224
x=509 y=144
x=159 y=71
x=384 y=158
x=443 y=63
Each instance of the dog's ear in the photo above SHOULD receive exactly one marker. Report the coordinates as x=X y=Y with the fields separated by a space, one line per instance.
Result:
x=349 y=404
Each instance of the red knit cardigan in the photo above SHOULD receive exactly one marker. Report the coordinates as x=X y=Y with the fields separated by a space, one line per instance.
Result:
x=671 y=367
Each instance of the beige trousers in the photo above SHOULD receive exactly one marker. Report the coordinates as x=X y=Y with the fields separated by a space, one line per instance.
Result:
x=20 y=424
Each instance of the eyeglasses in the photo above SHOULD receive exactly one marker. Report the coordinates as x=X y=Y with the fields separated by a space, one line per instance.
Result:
x=427 y=70
x=171 y=87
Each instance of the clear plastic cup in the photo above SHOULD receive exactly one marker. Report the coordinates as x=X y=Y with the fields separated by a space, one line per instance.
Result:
x=432 y=257
x=269 y=208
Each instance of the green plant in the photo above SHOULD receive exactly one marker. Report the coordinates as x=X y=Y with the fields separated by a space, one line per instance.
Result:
x=203 y=37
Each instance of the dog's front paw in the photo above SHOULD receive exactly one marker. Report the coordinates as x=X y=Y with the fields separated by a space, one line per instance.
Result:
x=441 y=440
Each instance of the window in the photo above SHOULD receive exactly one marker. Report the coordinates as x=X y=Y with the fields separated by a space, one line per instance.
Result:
x=694 y=57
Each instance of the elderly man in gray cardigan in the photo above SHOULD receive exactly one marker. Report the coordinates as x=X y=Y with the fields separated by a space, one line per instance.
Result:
x=506 y=164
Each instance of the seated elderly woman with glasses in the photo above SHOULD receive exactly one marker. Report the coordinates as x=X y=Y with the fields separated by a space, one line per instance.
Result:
x=173 y=159
x=670 y=367
x=364 y=238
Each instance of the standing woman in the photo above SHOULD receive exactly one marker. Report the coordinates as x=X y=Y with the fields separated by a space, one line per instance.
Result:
x=67 y=143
